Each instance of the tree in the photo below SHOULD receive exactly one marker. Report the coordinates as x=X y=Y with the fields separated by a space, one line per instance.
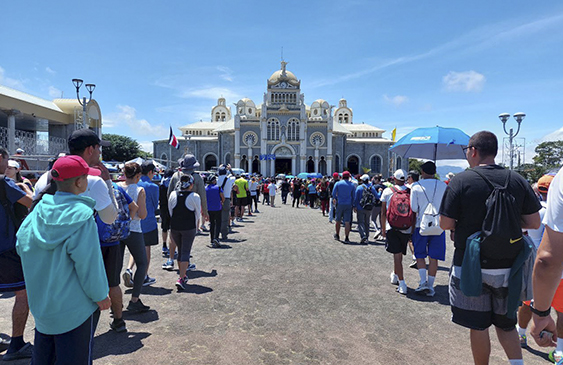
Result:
x=122 y=148
x=530 y=171
x=414 y=164
x=549 y=155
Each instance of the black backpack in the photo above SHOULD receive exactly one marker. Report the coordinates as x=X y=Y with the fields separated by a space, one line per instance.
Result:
x=14 y=212
x=501 y=233
x=368 y=199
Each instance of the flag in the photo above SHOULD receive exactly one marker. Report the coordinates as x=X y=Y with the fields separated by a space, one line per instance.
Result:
x=172 y=140
x=394 y=134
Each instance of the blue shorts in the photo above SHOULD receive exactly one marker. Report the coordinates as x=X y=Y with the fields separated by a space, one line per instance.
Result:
x=344 y=213
x=433 y=246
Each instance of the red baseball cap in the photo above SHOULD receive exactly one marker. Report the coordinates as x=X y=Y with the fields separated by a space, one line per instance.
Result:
x=346 y=174
x=335 y=175
x=71 y=166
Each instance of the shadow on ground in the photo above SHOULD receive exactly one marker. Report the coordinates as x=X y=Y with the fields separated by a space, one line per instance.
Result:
x=111 y=343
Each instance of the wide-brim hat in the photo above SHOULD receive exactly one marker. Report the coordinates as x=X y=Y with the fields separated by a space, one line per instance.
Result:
x=189 y=162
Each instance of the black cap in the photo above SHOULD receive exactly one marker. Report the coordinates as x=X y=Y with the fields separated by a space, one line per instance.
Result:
x=428 y=167
x=222 y=170
x=147 y=167
x=80 y=139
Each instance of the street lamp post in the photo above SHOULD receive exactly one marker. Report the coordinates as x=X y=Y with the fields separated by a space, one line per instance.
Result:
x=90 y=87
x=504 y=117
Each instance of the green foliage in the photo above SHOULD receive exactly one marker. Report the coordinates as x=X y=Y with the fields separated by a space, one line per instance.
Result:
x=530 y=171
x=549 y=155
x=415 y=164
x=145 y=155
x=122 y=148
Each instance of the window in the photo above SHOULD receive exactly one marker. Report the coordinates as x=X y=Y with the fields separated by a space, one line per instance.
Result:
x=399 y=162
x=375 y=164
x=273 y=130
x=293 y=130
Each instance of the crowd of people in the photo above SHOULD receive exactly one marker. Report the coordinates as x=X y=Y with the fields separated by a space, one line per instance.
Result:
x=65 y=240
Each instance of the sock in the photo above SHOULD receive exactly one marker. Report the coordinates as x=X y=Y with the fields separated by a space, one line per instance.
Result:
x=16 y=344
x=559 y=347
x=414 y=257
x=164 y=244
x=521 y=331
x=422 y=274
x=431 y=281
x=516 y=361
x=402 y=282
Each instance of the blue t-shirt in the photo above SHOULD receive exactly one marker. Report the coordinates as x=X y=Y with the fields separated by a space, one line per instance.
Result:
x=343 y=192
x=213 y=192
x=312 y=188
x=151 y=189
x=7 y=228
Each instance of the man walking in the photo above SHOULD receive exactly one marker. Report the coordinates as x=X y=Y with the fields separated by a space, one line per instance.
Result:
x=242 y=187
x=334 y=180
x=363 y=206
x=463 y=211
x=149 y=225
x=226 y=182
x=343 y=195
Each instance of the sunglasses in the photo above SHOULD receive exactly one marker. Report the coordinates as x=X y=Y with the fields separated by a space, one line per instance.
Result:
x=466 y=148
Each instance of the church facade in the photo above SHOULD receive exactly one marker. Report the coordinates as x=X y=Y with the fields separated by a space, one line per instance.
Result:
x=284 y=135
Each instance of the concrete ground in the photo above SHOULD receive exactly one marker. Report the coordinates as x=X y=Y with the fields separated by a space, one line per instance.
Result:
x=284 y=292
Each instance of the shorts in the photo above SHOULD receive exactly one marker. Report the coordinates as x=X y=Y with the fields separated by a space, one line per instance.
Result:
x=344 y=213
x=557 y=302
x=396 y=241
x=242 y=202
x=490 y=308
x=11 y=274
x=113 y=262
x=433 y=246
x=165 y=220
x=151 y=238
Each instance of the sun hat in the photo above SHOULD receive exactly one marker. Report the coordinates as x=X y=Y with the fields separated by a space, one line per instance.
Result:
x=189 y=162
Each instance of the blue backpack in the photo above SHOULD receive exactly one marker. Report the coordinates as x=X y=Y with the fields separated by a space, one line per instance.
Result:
x=119 y=229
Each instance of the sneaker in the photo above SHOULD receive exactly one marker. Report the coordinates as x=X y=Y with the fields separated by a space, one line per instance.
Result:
x=402 y=289
x=431 y=292
x=256 y=211
x=346 y=240
x=191 y=267
x=422 y=288
x=137 y=307
x=149 y=281
x=336 y=237
x=523 y=341
x=364 y=241
x=165 y=252
x=24 y=353
x=394 y=279
x=128 y=278
x=555 y=356
x=4 y=344
x=215 y=244
x=413 y=265
x=118 y=325
x=181 y=283
x=249 y=214
x=168 y=265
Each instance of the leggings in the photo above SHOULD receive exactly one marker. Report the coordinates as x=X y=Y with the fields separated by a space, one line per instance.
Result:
x=324 y=205
x=312 y=200
x=296 y=196
x=136 y=245
x=215 y=224
x=184 y=240
x=255 y=200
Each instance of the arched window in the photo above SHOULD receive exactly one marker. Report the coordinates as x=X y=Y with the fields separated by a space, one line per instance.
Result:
x=273 y=130
x=310 y=164
x=293 y=130
x=353 y=165
x=399 y=162
x=244 y=163
x=163 y=158
x=256 y=165
x=227 y=158
x=210 y=161
x=322 y=165
x=375 y=164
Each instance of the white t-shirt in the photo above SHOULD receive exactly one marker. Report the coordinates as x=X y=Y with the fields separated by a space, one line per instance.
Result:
x=228 y=185
x=386 y=197
x=252 y=186
x=193 y=203
x=554 y=214
x=272 y=189
x=97 y=190
x=537 y=234
x=133 y=191
x=434 y=190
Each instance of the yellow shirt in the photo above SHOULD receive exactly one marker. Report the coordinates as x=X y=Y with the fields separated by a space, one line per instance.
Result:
x=242 y=185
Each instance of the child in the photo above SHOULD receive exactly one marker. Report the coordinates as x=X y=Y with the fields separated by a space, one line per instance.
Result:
x=184 y=207
x=63 y=267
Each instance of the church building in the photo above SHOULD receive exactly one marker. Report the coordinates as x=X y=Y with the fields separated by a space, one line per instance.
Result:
x=284 y=135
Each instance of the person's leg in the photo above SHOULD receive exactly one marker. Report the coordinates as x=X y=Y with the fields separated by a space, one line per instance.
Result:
x=184 y=256
x=361 y=225
x=398 y=265
x=347 y=229
x=148 y=253
x=116 y=297
x=136 y=245
x=331 y=211
x=510 y=343
x=43 y=349
x=480 y=346
x=225 y=217
x=20 y=312
x=74 y=347
x=524 y=318
x=212 y=226
x=131 y=263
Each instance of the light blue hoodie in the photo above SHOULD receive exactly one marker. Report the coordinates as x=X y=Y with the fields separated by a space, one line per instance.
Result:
x=62 y=262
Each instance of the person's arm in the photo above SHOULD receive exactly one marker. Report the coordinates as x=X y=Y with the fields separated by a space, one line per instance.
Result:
x=133 y=209
x=222 y=197
x=530 y=221
x=172 y=201
x=383 y=219
x=142 y=203
x=27 y=199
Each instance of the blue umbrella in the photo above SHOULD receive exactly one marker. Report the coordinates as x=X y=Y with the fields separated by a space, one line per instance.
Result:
x=436 y=143
x=302 y=175
x=314 y=175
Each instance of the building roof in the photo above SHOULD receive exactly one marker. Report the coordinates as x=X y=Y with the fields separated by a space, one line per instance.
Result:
x=362 y=128
x=339 y=128
x=226 y=126
x=20 y=95
x=201 y=126
x=369 y=140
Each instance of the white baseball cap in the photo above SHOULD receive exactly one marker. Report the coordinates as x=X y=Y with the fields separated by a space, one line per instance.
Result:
x=365 y=177
x=400 y=174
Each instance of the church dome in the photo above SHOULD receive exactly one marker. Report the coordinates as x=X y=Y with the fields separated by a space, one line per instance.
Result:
x=283 y=75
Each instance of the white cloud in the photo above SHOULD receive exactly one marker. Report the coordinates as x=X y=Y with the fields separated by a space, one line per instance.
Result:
x=212 y=92
x=54 y=92
x=50 y=70
x=556 y=135
x=468 y=81
x=127 y=115
x=395 y=100
x=10 y=82
x=146 y=146
x=226 y=73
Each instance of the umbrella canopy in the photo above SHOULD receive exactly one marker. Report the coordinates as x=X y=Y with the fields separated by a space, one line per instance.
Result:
x=302 y=175
x=314 y=175
x=436 y=143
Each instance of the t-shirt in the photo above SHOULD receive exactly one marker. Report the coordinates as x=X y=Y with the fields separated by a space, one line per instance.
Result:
x=343 y=192
x=554 y=214
x=272 y=189
x=252 y=186
x=537 y=234
x=149 y=224
x=7 y=228
x=386 y=198
x=242 y=185
x=213 y=198
x=312 y=188
x=285 y=187
x=133 y=192
x=228 y=185
x=464 y=201
x=423 y=191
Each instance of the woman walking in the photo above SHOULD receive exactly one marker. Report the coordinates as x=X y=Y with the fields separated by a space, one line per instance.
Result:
x=296 y=194
x=215 y=200
x=322 y=191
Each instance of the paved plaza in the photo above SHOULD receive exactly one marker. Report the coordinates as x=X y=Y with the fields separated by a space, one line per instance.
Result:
x=286 y=293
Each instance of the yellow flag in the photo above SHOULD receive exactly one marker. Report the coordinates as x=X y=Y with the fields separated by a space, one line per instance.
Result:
x=394 y=134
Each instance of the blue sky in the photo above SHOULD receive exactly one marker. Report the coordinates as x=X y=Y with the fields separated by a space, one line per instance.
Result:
x=403 y=64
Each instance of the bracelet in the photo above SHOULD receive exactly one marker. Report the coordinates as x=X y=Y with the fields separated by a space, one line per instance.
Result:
x=539 y=313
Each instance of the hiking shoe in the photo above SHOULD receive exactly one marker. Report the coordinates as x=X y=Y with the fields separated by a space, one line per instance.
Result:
x=555 y=356
x=402 y=289
x=336 y=237
x=24 y=353
x=422 y=288
x=165 y=252
x=181 y=284
x=168 y=265
x=128 y=278
x=394 y=279
x=431 y=292
x=137 y=307
x=346 y=240
x=149 y=281
x=523 y=341
x=118 y=325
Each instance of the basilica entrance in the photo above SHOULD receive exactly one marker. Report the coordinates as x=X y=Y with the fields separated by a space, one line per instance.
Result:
x=283 y=165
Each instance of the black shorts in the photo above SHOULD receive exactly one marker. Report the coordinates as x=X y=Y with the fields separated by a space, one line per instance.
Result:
x=242 y=202
x=151 y=238
x=165 y=219
x=113 y=262
x=397 y=241
x=11 y=272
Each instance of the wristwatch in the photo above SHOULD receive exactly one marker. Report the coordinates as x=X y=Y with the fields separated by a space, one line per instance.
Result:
x=544 y=313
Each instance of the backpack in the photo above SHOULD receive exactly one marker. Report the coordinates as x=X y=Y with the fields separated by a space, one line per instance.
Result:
x=368 y=199
x=15 y=212
x=399 y=213
x=430 y=221
x=501 y=232
x=119 y=229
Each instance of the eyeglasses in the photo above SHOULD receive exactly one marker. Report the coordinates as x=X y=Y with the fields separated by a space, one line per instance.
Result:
x=466 y=148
